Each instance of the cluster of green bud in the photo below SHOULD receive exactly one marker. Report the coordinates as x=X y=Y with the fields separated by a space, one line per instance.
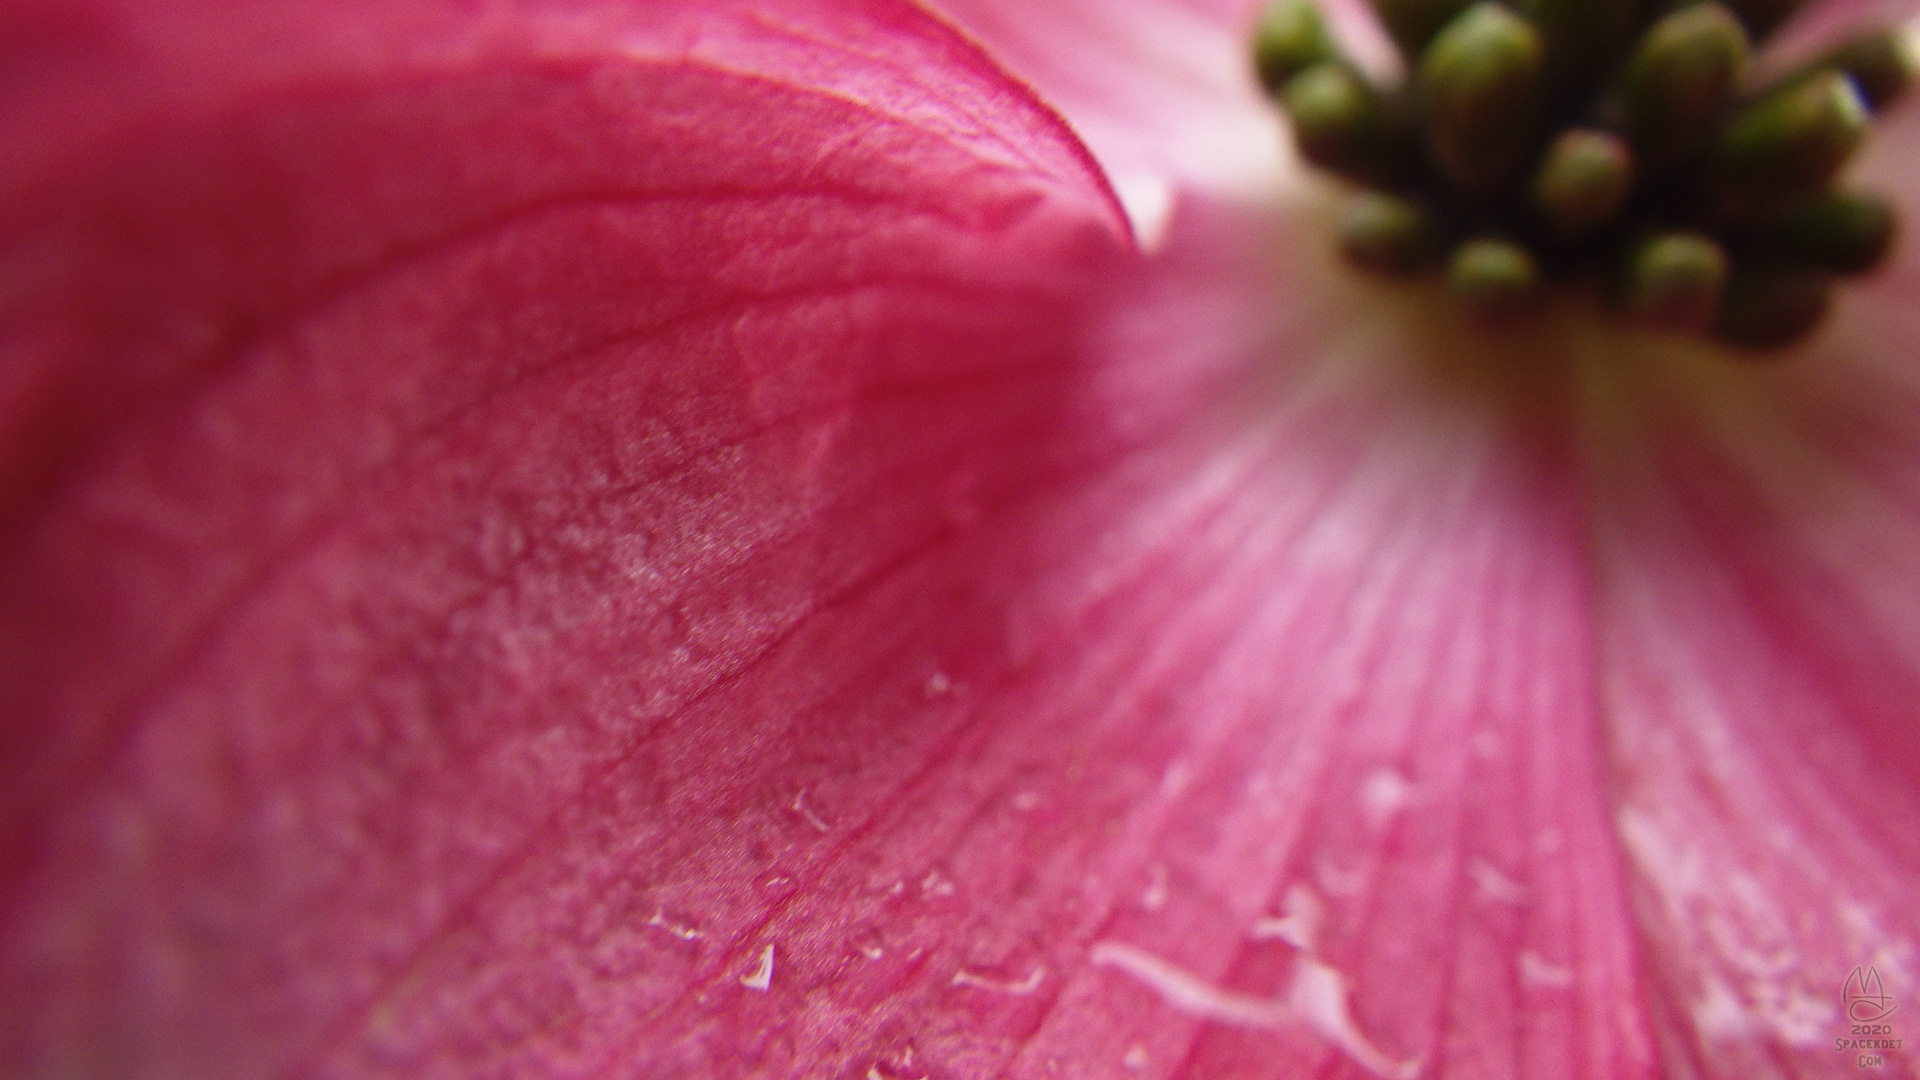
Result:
x=1619 y=145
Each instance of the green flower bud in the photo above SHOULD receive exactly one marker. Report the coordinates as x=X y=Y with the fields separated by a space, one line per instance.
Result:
x=1679 y=79
x=1843 y=231
x=1386 y=233
x=1674 y=280
x=1881 y=64
x=1479 y=86
x=1699 y=203
x=1339 y=120
x=1292 y=38
x=1789 y=144
x=1583 y=181
x=1771 y=305
x=1413 y=23
x=1494 y=279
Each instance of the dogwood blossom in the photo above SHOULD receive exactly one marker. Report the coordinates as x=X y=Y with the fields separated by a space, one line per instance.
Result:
x=827 y=538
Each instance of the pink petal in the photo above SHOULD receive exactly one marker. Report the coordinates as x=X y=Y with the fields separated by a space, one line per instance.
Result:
x=1818 y=25
x=403 y=430
x=525 y=565
x=1366 y=621
x=1758 y=539
x=1161 y=90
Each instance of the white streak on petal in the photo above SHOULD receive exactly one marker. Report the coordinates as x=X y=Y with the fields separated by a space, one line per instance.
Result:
x=1385 y=793
x=1189 y=993
x=1494 y=885
x=800 y=807
x=1023 y=988
x=1155 y=897
x=679 y=930
x=1149 y=200
x=1300 y=926
x=1319 y=995
x=1317 y=998
x=761 y=978
x=1535 y=970
x=1719 y=1014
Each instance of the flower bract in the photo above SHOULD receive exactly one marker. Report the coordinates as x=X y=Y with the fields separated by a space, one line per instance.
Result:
x=850 y=539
